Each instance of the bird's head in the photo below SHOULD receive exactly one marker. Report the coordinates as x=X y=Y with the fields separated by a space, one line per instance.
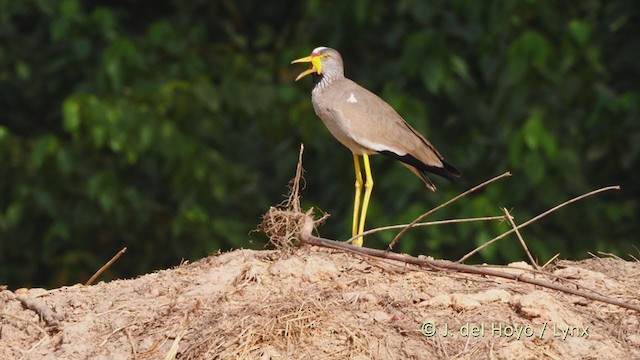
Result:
x=324 y=61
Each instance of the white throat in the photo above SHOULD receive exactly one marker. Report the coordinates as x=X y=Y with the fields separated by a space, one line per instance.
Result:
x=327 y=79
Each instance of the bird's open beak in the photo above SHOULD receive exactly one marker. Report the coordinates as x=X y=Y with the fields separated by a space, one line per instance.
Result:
x=316 y=65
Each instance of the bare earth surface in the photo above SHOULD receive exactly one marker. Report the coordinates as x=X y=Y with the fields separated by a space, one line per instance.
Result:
x=324 y=304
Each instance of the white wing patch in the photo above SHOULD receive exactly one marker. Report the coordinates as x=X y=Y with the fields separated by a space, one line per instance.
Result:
x=352 y=99
x=379 y=147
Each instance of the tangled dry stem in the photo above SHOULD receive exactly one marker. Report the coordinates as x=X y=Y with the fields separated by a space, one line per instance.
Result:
x=283 y=223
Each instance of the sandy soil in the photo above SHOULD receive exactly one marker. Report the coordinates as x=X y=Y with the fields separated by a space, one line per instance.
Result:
x=324 y=304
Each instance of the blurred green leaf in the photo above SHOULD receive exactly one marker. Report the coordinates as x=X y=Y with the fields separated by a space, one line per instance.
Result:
x=534 y=167
x=460 y=67
x=104 y=20
x=534 y=131
x=4 y=133
x=23 y=70
x=580 y=30
x=69 y=8
x=71 y=114
x=529 y=48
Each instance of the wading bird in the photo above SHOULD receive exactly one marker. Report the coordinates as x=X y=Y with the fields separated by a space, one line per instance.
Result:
x=367 y=125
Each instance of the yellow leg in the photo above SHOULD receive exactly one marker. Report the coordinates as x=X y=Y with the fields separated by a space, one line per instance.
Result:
x=368 y=187
x=356 y=202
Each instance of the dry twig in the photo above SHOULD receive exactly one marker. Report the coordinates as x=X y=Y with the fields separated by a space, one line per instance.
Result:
x=106 y=266
x=301 y=225
x=524 y=245
x=308 y=238
x=476 y=250
x=550 y=260
x=49 y=316
x=117 y=330
x=430 y=223
x=395 y=240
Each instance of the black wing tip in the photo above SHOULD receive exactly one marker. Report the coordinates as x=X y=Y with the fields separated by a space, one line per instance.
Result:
x=447 y=170
x=425 y=179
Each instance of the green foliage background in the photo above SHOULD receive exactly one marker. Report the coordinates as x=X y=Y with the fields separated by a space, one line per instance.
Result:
x=169 y=127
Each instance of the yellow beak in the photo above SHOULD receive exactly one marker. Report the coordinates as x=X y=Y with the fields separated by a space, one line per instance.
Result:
x=316 y=65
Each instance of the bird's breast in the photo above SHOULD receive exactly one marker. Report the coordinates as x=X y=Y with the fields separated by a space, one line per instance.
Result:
x=341 y=127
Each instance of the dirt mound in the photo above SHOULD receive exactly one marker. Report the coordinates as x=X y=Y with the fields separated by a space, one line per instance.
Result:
x=320 y=303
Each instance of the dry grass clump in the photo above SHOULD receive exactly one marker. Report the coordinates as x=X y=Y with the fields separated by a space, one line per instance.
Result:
x=284 y=223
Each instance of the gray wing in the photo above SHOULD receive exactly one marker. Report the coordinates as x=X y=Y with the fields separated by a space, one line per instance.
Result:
x=375 y=125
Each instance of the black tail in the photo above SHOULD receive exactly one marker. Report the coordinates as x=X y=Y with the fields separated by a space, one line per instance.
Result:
x=447 y=171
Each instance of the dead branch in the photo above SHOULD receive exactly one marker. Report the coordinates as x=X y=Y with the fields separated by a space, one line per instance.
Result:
x=397 y=238
x=429 y=223
x=289 y=221
x=530 y=221
x=307 y=237
x=49 y=316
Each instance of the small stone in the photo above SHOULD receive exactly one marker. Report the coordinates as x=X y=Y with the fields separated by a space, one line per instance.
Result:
x=463 y=302
x=380 y=316
x=437 y=301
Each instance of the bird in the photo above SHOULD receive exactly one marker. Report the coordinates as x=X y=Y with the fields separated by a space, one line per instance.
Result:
x=367 y=125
